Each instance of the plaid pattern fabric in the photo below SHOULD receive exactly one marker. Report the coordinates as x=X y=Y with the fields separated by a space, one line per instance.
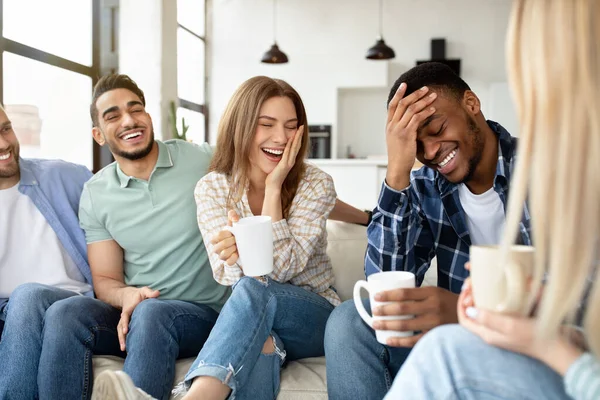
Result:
x=299 y=242
x=426 y=220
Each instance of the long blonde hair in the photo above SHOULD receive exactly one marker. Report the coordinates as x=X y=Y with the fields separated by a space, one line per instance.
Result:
x=553 y=52
x=237 y=129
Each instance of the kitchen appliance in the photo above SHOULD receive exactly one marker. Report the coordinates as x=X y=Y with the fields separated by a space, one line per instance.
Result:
x=319 y=141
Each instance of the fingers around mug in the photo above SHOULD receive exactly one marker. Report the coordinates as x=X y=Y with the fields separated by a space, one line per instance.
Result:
x=224 y=244
x=227 y=252
x=232 y=259
x=232 y=216
x=409 y=341
x=419 y=323
x=223 y=234
x=406 y=102
x=399 y=309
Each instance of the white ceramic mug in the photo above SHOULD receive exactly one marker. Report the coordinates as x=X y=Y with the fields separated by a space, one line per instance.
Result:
x=501 y=288
x=254 y=241
x=381 y=282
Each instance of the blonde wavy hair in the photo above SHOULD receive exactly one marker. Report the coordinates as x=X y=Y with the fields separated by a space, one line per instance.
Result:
x=553 y=52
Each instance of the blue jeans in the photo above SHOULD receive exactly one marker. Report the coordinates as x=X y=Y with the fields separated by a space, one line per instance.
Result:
x=25 y=316
x=358 y=366
x=293 y=316
x=160 y=331
x=452 y=363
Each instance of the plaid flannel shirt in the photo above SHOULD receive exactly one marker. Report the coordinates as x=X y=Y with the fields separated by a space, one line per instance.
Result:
x=299 y=242
x=426 y=220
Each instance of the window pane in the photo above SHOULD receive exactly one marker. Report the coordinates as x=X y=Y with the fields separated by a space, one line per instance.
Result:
x=190 y=67
x=190 y=13
x=60 y=27
x=195 y=121
x=62 y=98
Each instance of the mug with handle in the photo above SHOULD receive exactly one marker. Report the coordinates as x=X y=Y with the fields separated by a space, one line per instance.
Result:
x=497 y=287
x=254 y=241
x=381 y=282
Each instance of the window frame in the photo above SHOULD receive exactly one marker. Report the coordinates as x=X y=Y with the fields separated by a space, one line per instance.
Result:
x=93 y=71
x=190 y=105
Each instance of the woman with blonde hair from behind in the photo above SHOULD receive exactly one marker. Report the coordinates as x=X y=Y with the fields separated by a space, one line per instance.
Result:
x=259 y=169
x=553 y=52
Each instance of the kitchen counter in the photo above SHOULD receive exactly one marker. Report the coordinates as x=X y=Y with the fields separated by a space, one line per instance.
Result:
x=370 y=162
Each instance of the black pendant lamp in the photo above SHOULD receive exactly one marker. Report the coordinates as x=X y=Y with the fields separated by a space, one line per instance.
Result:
x=380 y=51
x=274 y=55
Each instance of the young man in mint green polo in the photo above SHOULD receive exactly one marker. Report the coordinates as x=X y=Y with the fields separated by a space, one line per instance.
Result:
x=157 y=299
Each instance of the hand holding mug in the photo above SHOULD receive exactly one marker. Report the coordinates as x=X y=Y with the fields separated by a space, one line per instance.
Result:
x=224 y=243
x=431 y=306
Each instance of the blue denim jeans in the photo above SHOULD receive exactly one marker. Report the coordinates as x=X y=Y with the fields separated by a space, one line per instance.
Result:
x=22 y=341
x=358 y=366
x=160 y=331
x=452 y=363
x=293 y=316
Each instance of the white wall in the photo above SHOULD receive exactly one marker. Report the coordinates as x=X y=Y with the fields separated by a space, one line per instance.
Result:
x=326 y=41
x=148 y=54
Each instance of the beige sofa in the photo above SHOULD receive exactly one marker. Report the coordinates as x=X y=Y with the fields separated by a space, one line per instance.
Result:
x=304 y=379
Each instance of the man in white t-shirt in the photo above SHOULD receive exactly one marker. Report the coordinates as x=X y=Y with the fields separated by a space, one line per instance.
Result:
x=43 y=259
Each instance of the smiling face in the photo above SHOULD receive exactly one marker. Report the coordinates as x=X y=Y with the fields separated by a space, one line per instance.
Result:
x=9 y=153
x=277 y=123
x=124 y=125
x=450 y=141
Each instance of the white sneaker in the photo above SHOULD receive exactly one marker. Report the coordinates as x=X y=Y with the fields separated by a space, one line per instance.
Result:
x=117 y=385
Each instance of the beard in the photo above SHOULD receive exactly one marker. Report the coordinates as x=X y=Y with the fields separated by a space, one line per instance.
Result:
x=476 y=139
x=132 y=155
x=13 y=169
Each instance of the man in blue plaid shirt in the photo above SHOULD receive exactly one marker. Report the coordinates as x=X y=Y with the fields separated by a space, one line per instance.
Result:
x=457 y=199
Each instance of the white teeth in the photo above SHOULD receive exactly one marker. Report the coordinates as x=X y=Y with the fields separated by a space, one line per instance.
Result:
x=4 y=157
x=447 y=159
x=275 y=152
x=132 y=135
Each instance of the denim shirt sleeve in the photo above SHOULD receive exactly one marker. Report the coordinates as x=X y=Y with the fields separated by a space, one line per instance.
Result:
x=95 y=231
x=399 y=237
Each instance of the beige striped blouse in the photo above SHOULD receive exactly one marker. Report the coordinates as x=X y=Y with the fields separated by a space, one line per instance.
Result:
x=299 y=242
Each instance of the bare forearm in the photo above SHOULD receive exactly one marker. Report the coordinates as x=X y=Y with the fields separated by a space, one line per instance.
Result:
x=110 y=290
x=560 y=356
x=272 y=204
x=346 y=213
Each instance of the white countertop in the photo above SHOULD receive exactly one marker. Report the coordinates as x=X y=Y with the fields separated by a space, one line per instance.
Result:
x=375 y=162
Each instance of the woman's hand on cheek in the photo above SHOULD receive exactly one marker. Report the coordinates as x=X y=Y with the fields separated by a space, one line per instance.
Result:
x=276 y=178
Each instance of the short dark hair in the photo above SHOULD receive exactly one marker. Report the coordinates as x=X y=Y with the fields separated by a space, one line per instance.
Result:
x=432 y=74
x=112 y=82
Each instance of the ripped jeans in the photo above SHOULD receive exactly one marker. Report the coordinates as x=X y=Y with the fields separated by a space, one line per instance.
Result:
x=294 y=317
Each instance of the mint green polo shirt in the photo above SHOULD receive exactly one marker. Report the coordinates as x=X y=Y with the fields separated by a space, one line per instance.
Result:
x=155 y=223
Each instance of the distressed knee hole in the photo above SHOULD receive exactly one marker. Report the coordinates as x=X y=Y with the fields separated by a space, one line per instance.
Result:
x=269 y=346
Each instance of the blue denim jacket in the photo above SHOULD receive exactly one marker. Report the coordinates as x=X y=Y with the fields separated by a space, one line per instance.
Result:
x=55 y=187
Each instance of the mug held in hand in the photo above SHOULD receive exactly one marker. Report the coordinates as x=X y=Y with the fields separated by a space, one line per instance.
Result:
x=254 y=241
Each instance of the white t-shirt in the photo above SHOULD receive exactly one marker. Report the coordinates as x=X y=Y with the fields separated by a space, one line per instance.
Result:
x=484 y=214
x=30 y=251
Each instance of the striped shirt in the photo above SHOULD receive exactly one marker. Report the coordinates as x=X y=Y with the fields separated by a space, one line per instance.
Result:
x=582 y=380
x=426 y=220
x=299 y=242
